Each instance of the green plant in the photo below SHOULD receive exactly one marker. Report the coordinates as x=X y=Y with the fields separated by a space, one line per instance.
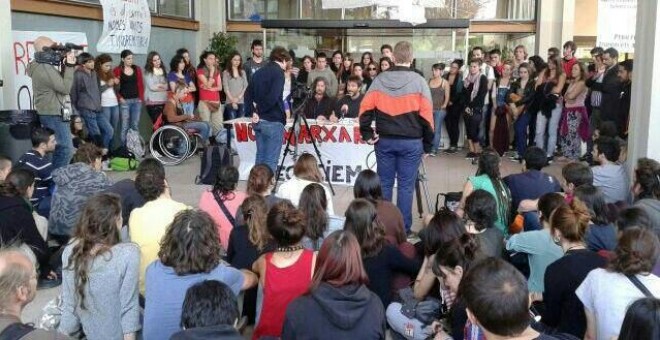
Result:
x=222 y=44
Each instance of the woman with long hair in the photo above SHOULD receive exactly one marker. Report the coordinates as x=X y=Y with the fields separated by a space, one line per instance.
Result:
x=563 y=310
x=551 y=84
x=475 y=90
x=189 y=253
x=234 y=83
x=78 y=134
x=371 y=73
x=455 y=105
x=130 y=93
x=366 y=58
x=247 y=241
x=488 y=178
x=642 y=320
x=574 y=124
x=500 y=120
x=367 y=185
x=156 y=88
x=308 y=66
x=177 y=75
x=17 y=223
x=358 y=71
x=338 y=305
x=385 y=64
x=601 y=234
x=222 y=202
x=337 y=62
x=440 y=97
x=313 y=203
x=520 y=97
x=108 y=83
x=607 y=293
x=285 y=273
x=345 y=70
x=210 y=85
x=100 y=275
x=381 y=260
x=305 y=171
x=189 y=68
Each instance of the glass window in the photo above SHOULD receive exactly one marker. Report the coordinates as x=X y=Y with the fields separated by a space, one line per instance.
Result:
x=176 y=8
x=496 y=9
x=505 y=42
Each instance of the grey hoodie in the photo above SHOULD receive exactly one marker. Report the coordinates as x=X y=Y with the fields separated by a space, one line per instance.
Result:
x=49 y=87
x=652 y=208
x=74 y=184
x=85 y=92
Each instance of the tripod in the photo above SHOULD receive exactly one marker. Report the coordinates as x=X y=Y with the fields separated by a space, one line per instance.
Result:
x=421 y=184
x=297 y=118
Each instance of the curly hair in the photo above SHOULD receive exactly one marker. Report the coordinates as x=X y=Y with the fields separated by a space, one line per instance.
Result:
x=489 y=165
x=255 y=211
x=637 y=252
x=647 y=177
x=191 y=243
x=313 y=204
x=362 y=222
x=96 y=233
x=87 y=153
x=481 y=208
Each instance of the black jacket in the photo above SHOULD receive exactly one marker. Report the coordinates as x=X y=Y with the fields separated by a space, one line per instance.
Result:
x=348 y=312
x=265 y=91
x=222 y=332
x=611 y=90
x=17 y=226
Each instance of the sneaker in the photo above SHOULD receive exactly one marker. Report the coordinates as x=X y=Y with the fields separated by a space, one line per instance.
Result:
x=452 y=150
x=433 y=154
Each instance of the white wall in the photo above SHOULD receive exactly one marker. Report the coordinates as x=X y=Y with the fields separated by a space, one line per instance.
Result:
x=7 y=90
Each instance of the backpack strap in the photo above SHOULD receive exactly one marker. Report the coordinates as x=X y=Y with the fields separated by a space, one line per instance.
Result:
x=640 y=285
x=16 y=331
x=224 y=209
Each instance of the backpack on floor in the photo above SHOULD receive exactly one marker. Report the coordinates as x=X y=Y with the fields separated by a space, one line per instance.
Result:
x=214 y=158
x=122 y=159
x=135 y=143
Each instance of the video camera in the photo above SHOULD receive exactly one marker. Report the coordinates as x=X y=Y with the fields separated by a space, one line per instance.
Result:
x=55 y=54
x=299 y=90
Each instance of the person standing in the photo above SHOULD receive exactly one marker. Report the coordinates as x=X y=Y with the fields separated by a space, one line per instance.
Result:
x=399 y=143
x=625 y=76
x=610 y=87
x=551 y=84
x=440 y=97
x=322 y=70
x=257 y=61
x=266 y=107
x=86 y=99
x=455 y=107
x=155 y=91
x=210 y=85
x=475 y=91
x=108 y=82
x=131 y=90
x=519 y=57
x=51 y=89
x=569 y=58
x=234 y=82
x=574 y=124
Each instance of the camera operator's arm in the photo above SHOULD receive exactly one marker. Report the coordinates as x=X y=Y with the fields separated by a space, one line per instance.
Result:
x=62 y=84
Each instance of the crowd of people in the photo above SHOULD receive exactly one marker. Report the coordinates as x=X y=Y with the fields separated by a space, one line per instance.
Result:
x=522 y=256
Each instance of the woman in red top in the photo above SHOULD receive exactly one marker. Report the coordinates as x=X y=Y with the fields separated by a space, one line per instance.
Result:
x=210 y=85
x=286 y=273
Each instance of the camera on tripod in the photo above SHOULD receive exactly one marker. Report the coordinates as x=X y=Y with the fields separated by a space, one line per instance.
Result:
x=299 y=90
x=55 y=54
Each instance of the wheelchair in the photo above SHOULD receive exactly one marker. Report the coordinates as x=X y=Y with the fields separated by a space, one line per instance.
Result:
x=171 y=144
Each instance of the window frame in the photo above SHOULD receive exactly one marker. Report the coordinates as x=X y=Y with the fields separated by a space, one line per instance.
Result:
x=154 y=12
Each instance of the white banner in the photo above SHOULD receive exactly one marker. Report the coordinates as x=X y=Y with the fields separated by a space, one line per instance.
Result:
x=23 y=52
x=616 y=24
x=126 y=26
x=343 y=152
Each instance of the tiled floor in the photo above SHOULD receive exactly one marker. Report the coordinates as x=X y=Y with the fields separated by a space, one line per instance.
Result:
x=445 y=173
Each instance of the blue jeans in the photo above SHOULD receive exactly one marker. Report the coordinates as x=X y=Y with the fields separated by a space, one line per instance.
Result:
x=230 y=113
x=111 y=114
x=202 y=128
x=552 y=125
x=399 y=159
x=98 y=127
x=438 y=118
x=269 y=137
x=400 y=323
x=520 y=128
x=64 y=149
x=130 y=116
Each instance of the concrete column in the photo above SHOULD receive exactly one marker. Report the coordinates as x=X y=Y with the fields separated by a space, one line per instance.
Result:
x=7 y=100
x=212 y=18
x=555 y=21
x=644 y=136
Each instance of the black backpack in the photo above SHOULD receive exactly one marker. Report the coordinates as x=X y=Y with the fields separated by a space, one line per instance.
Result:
x=214 y=158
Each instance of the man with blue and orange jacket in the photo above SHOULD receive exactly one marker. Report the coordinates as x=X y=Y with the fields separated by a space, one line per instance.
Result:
x=399 y=101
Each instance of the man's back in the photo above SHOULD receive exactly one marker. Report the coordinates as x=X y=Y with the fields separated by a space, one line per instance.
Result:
x=612 y=179
x=531 y=184
x=265 y=90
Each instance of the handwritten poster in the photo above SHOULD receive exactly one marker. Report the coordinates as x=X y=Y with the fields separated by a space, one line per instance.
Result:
x=126 y=26
x=616 y=24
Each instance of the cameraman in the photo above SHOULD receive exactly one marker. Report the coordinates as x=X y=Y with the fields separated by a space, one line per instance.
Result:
x=265 y=103
x=51 y=88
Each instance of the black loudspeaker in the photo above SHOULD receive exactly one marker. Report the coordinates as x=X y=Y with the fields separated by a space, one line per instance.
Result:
x=15 y=129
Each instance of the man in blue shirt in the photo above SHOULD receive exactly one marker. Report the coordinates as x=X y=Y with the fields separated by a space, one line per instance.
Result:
x=532 y=183
x=265 y=104
x=39 y=162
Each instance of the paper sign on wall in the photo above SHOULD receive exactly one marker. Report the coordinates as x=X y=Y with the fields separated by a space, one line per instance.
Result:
x=616 y=24
x=126 y=26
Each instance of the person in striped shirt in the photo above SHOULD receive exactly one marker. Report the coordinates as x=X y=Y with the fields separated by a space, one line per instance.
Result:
x=39 y=162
